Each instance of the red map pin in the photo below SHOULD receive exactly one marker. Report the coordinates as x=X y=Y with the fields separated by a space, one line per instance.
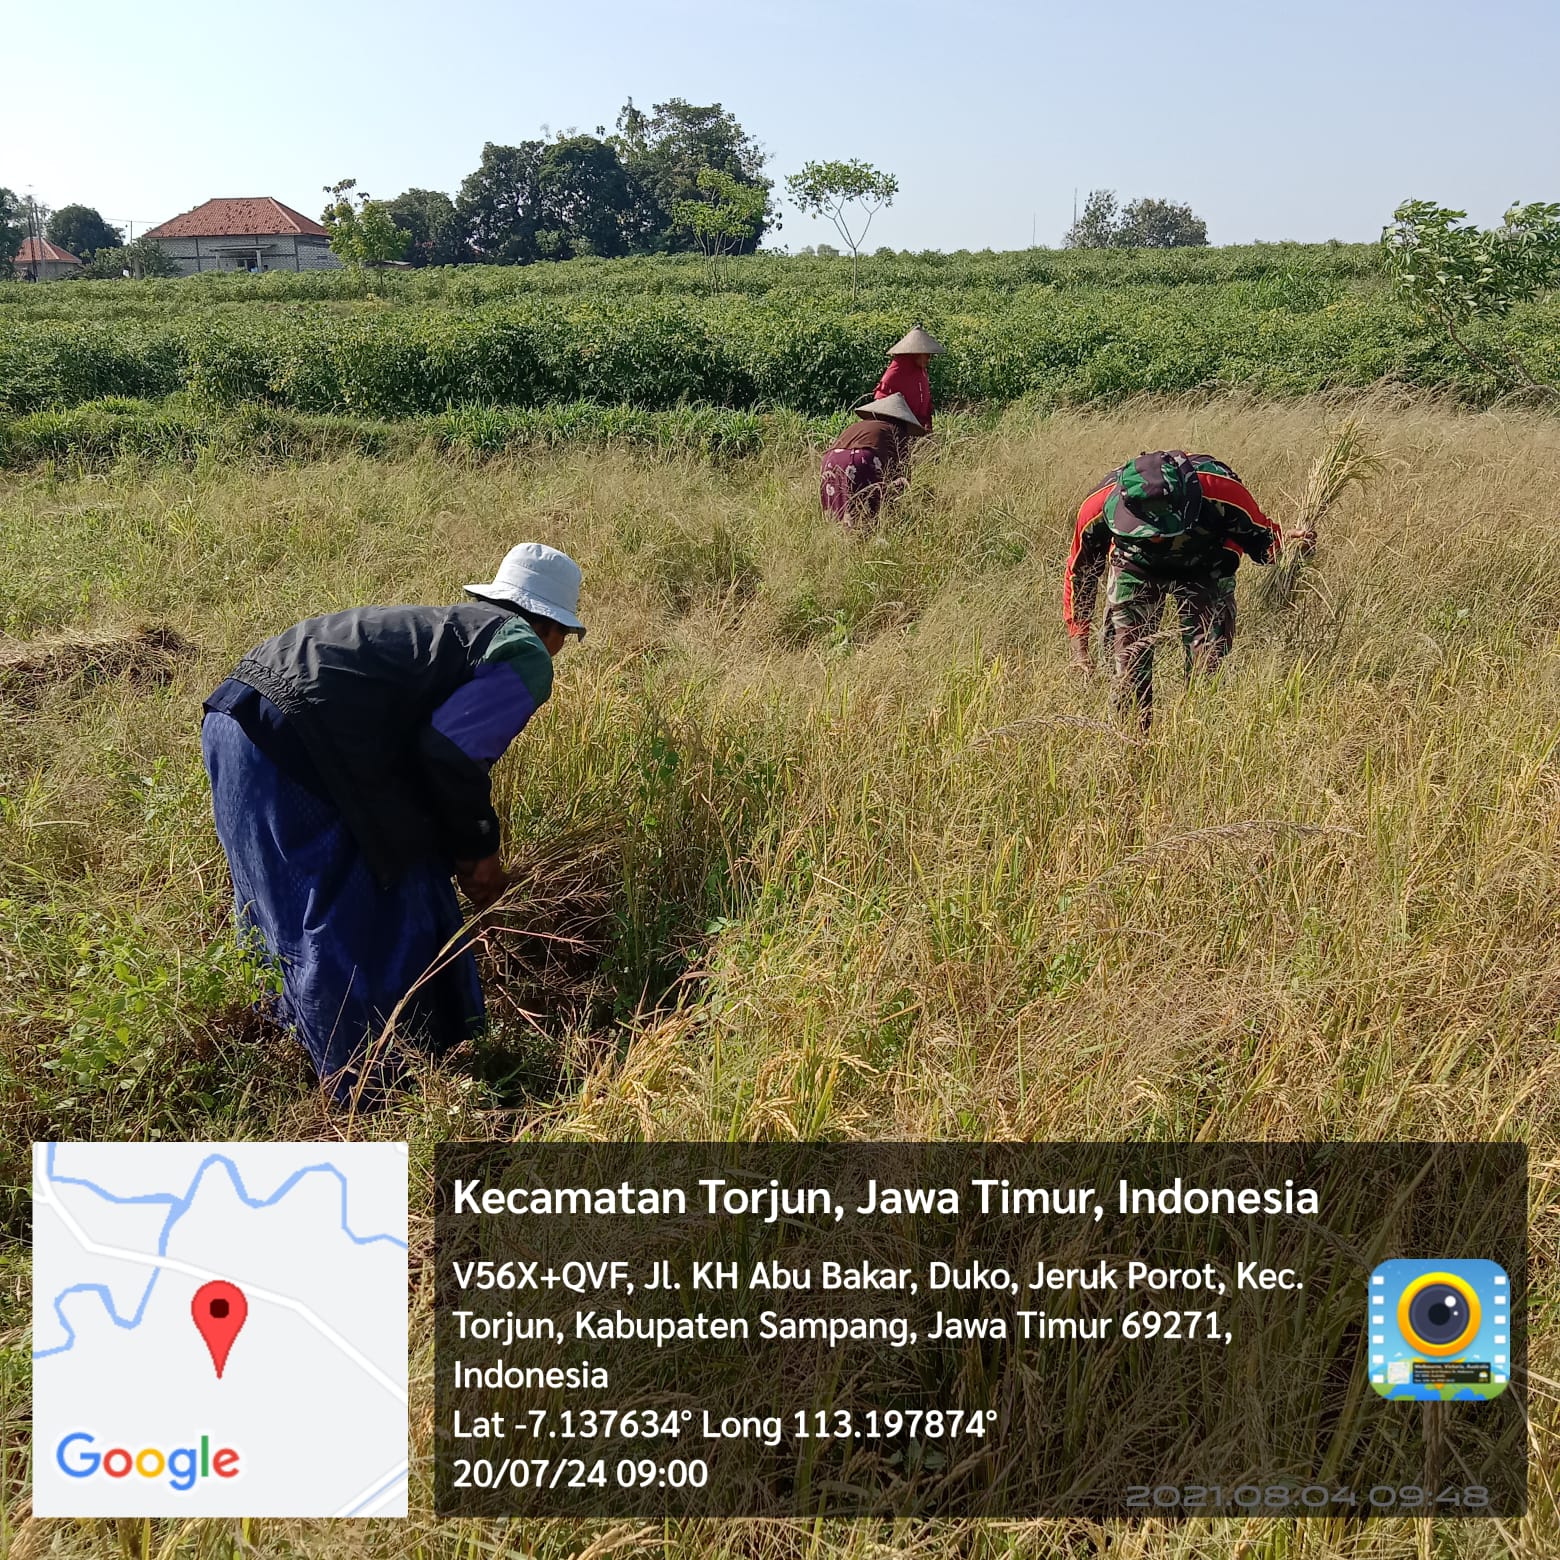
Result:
x=219 y=1309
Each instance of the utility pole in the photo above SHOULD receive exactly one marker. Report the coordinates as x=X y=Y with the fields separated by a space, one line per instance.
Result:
x=34 y=233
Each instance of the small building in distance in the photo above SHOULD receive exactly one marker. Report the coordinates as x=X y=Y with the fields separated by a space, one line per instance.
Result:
x=40 y=261
x=246 y=233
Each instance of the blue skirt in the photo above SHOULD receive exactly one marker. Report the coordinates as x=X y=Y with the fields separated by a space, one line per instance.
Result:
x=348 y=951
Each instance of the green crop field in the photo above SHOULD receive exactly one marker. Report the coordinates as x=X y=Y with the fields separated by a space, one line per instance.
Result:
x=818 y=837
x=1044 y=328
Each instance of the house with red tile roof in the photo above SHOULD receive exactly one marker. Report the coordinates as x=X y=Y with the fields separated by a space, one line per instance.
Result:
x=40 y=261
x=245 y=233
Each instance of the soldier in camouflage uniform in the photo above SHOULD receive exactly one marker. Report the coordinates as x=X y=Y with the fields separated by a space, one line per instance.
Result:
x=1167 y=527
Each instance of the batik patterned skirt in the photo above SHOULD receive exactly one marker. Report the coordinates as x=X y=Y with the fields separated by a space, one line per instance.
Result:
x=852 y=486
x=352 y=954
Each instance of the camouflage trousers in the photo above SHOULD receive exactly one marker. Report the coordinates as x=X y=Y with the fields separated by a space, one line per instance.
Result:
x=1135 y=603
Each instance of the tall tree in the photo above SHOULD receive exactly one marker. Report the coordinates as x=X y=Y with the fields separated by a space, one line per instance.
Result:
x=1146 y=223
x=849 y=194
x=586 y=198
x=721 y=220
x=82 y=230
x=428 y=216
x=1099 y=224
x=1452 y=273
x=13 y=228
x=361 y=232
x=663 y=152
x=1160 y=224
x=500 y=205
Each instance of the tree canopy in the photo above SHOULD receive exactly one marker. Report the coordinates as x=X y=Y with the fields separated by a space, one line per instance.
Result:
x=1451 y=272
x=144 y=258
x=13 y=228
x=665 y=150
x=586 y=197
x=723 y=219
x=429 y=218
x=499 y=205
x=82 y=231
x=360 y=228
x=1160 y=224
x=1145 y=223
x=632 y=192
x=849 y=194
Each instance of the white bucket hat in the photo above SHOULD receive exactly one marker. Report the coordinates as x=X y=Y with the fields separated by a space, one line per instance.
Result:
x=893 y=406
x=539 y=578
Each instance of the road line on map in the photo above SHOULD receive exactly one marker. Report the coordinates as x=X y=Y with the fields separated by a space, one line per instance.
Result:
x=378 y=1487
x=45 y=1194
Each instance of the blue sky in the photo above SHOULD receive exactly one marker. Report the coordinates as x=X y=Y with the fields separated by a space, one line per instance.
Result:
x=1274 y=120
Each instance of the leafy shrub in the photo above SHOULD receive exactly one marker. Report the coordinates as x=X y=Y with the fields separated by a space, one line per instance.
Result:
x=1055 y=328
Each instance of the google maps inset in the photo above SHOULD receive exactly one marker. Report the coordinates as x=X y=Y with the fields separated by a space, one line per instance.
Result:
x=219 y=1329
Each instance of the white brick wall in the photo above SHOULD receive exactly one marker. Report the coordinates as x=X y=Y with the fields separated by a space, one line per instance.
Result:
x=278 y=252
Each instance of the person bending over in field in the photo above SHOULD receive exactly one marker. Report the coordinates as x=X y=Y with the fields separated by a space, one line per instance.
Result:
x=1167 y=527
x=349 y=761
x=907 y=373
x=869 y=461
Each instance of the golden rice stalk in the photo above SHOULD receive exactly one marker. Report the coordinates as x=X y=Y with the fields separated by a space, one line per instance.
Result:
x=1347 y=461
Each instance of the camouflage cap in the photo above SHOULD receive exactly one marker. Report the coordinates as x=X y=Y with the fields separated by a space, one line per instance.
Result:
x=1158 y=494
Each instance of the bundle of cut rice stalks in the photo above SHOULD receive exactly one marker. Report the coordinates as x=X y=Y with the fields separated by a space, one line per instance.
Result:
x=1346 y=462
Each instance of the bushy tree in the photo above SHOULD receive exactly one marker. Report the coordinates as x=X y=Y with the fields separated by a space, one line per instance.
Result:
x=1451 y=272
x=849 y=194
x=721 y=221
x=627 y=193
x=585 y=197
x=428 y=217
x=1099 y=224
x=1160 y=224
x=13 y=229
x=499 y=206
x=144 y=259
x=1146 y=223
x=82 y=231
x=664 y=151
x=360 y=227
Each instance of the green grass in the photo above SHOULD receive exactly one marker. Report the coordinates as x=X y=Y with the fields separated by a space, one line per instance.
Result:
x=115 y=431
x=839 y=847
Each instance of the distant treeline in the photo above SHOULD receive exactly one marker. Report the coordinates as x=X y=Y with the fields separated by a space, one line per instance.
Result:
x=574 y=195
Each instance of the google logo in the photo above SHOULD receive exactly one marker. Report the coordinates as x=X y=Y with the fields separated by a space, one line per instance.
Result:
x=183 y=1466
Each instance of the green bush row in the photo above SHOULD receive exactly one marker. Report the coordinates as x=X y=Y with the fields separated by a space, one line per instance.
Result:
x=895 y=282
x=1056 y=349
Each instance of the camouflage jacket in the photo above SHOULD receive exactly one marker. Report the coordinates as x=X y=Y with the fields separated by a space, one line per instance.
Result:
x=1166 y=515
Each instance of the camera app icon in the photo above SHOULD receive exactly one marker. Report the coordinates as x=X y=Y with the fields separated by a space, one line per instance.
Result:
x=1440 y=1330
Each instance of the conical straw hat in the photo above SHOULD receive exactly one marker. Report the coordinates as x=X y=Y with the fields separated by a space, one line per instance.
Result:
x=894 y=406
x=917 y=340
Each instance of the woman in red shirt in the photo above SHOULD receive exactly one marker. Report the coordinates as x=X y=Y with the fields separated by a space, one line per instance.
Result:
x=906 y=373
x=868 y=460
